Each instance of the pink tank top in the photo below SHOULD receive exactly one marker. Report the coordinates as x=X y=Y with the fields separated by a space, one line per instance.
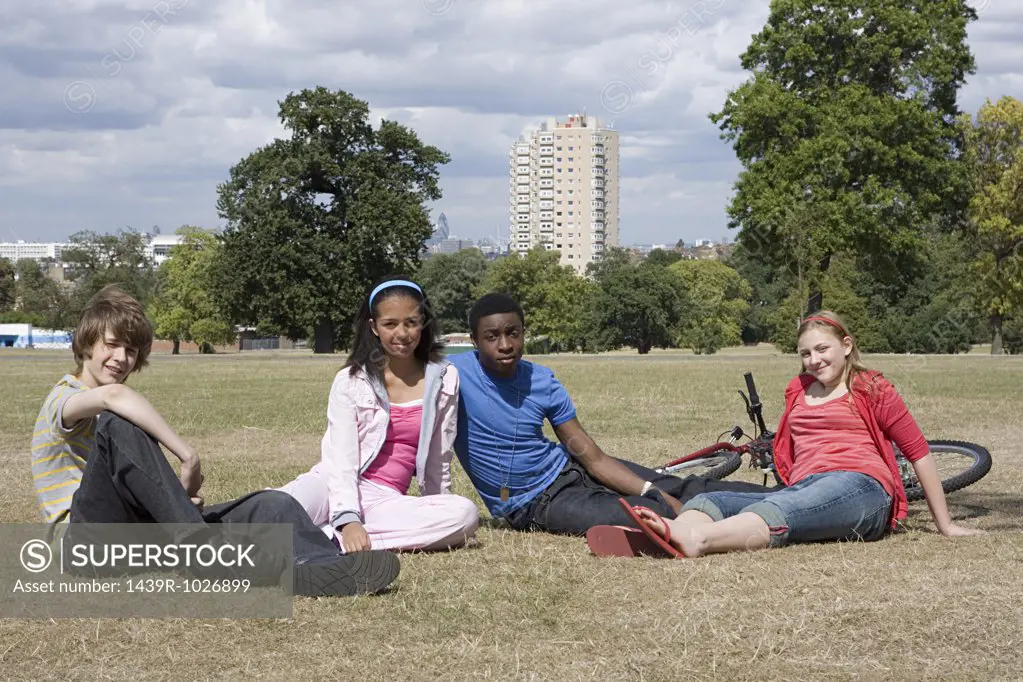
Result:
x=396 y=462
x=833 y=437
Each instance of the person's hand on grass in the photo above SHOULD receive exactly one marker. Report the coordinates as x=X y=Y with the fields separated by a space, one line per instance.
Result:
x=954 y=531
x=354 y=537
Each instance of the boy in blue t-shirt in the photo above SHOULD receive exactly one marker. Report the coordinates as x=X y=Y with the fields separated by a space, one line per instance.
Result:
x=563 y=487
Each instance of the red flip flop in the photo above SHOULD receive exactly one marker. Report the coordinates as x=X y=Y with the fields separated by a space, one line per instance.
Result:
x=652 y=535
x=621 y=541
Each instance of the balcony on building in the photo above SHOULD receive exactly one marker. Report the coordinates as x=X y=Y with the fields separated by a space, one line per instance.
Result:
x=597 y=150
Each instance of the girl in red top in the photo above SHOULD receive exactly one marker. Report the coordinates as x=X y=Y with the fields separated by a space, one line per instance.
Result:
x=833 y=450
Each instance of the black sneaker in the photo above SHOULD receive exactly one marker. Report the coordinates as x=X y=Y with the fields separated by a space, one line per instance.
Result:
x=348 y=575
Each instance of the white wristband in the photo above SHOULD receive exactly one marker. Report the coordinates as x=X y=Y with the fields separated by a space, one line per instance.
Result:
x=646 y=488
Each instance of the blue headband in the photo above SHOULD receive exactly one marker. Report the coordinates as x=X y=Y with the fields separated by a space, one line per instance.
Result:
x=393 y=283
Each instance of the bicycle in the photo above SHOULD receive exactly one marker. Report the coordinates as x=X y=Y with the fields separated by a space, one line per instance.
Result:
x=959 y=463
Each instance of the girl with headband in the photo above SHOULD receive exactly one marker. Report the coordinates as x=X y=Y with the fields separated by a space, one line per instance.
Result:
x=833 y=451
x=391 y=415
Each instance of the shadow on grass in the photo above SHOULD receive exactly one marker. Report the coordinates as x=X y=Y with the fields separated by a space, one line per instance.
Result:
x=965 y=505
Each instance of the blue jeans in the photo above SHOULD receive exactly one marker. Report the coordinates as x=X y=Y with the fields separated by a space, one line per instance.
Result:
x=575 y=501
x=838 y=505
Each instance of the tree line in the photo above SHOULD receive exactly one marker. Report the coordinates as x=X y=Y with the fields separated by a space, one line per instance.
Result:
x=863 y=188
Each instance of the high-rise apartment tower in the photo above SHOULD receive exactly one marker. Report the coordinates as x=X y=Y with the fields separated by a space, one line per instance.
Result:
x=564 y=190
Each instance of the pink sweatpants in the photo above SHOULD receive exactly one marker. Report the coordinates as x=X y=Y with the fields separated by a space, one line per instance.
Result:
x=393 y=520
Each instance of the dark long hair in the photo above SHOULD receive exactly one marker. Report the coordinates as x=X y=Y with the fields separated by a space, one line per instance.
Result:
x=367 y=353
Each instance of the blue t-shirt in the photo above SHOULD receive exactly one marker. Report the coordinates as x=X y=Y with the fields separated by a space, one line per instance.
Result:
x=500 y=431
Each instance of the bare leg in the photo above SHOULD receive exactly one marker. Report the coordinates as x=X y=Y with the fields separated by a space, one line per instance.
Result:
x=697 y=534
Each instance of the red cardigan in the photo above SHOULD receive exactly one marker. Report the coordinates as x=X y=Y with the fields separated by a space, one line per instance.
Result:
x=886 y=417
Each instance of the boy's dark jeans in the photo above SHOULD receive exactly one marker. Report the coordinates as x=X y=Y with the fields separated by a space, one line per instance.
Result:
x=127 y=479
x=575 y=502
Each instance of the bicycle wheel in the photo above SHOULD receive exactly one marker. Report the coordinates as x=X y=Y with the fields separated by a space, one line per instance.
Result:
x=959 y=464
x=716 y=465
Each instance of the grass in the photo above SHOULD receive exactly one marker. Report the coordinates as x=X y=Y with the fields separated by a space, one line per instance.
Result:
x=536 y=606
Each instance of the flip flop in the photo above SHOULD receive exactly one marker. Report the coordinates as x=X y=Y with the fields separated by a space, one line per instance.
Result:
x=661 y=541
x=621 y=541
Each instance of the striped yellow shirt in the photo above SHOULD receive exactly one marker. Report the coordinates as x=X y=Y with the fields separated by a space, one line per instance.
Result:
x=59 y=453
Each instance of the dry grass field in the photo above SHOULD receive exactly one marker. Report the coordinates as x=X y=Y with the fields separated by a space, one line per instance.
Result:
x=535 y=606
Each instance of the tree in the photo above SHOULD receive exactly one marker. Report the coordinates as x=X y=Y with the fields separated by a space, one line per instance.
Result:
x=847 y=129
x=614 y=257
x=639 y=306
x=183 y=308
x=40 y=298
x=450 y=281
x=96 y=260
x=719 y=301
x=769 y=286
x=314 y=219
x=931 y=314
x=840 y=288
x=994 y=152
x=663 y=258
x=8 y=295
x=551 y=295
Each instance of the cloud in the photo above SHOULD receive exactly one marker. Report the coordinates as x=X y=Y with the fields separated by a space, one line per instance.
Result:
x=129 y=113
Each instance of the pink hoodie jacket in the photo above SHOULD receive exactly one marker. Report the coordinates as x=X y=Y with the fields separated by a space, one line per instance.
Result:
x=358 y=413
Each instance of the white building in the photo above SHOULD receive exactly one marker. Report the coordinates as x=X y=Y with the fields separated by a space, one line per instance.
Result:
x=157 y=249
x=38 y=251
x=159 y=246
x=27 y=336
x=563 y=190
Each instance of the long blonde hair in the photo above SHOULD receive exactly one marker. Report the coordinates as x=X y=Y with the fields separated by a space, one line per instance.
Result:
x=833 y=323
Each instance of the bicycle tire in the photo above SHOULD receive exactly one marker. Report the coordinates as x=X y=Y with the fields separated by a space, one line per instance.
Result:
x=715 y=465
x=979 y=466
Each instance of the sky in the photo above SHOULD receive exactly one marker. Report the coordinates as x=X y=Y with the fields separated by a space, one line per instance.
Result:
x=125 y=113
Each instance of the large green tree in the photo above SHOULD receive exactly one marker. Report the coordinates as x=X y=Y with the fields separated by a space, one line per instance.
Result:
x=8 y=295
x=315 y=218
x=553 y=298
x=639 y=306
x=183 y=308
x=847 y=130
x=719 y=302
x=450 y=280
x=994 y=152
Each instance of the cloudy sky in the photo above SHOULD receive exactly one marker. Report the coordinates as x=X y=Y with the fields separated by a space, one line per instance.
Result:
x=128 y=113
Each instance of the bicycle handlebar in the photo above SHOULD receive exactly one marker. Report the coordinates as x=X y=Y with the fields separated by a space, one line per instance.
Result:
x=755 y=407
x=754 y=397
